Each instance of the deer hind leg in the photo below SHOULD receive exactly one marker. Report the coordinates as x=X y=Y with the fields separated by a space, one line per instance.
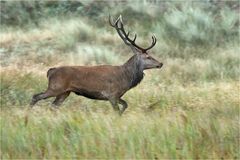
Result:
x=60 y=99
x=40 y=96
x=124 y=104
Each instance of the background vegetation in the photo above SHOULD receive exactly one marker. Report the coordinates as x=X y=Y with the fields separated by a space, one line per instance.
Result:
x=188 y=109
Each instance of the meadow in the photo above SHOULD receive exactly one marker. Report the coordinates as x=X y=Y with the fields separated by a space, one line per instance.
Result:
x=189 y=109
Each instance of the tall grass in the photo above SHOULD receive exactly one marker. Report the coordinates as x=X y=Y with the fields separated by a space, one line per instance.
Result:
x=188 y=122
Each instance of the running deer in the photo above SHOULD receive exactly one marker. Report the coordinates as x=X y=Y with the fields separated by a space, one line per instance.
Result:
x=103 y=82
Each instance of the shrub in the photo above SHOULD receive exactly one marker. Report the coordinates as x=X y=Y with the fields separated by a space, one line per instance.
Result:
x=190 y=27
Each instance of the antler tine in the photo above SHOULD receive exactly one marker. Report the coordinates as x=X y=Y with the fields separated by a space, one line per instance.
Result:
x=111 y=21
x=119 y=26
x=132 y=42
x=154 y=41
x=135 y=36
x=120 y=29
x=120 y=17
x=121 y=32
x=154 y=38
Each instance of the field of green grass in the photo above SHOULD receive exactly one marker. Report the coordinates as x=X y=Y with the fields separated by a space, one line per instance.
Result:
x=189 y=109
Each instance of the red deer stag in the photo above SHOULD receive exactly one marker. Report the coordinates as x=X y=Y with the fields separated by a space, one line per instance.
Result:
x=103 y=82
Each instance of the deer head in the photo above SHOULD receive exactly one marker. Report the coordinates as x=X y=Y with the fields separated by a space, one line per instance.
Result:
x=146 y=60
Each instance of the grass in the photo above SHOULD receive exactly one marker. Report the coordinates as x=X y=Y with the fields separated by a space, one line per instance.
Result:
x=164 y=121
x=173 y=128
x=189 y=109
x=75 y=134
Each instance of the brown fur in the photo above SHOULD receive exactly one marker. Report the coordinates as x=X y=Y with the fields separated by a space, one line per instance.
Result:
x=104 y=82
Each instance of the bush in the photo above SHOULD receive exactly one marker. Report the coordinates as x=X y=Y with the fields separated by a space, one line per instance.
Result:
x=190 y=26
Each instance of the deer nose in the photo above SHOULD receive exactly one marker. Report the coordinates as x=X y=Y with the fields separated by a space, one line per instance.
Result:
x=160 y=65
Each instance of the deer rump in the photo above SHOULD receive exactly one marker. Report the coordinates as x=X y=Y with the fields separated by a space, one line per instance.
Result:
x=97 y=82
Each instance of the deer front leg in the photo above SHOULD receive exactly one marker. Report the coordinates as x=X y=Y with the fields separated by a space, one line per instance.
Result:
x=114 y=104
x=116 y=107
x=124 y=104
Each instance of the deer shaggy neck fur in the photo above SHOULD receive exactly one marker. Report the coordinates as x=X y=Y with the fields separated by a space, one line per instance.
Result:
x=134 y=70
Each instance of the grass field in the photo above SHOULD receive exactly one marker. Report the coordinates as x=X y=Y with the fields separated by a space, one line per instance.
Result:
x=189 y=109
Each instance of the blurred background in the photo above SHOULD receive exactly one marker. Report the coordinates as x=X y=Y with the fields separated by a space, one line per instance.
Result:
x=184 y=29
x=194 y=97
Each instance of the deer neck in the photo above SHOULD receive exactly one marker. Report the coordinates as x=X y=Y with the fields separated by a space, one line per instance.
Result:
x=133 y=71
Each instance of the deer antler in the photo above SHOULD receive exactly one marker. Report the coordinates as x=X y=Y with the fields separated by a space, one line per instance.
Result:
x=118 y=25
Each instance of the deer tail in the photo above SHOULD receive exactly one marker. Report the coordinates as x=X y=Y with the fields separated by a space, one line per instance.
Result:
x=50 y=71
